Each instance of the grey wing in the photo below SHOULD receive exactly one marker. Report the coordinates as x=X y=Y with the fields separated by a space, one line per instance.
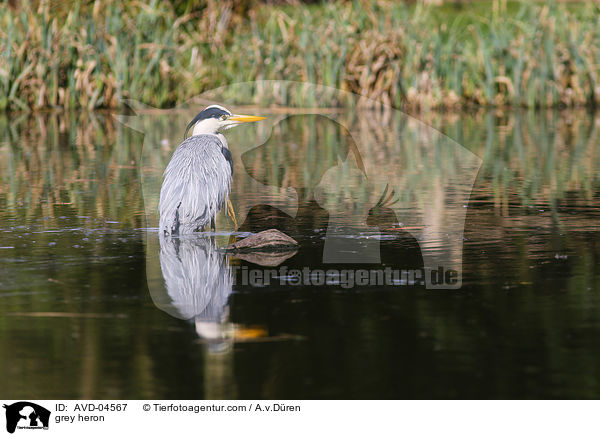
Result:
x=195 y=186
x=179 y=211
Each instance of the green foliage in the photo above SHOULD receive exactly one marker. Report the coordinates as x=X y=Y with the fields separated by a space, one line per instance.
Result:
x=94 y=55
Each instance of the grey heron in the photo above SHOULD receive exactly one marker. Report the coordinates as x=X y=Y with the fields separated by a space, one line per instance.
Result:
x=197 y=180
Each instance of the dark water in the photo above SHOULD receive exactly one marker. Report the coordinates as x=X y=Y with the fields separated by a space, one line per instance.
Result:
x=94 y=305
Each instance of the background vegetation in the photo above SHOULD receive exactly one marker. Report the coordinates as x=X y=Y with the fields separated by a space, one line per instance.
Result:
x=94 y=54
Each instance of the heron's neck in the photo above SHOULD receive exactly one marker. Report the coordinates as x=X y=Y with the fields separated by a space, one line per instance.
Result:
x=209 y=126
x=223 y=140
x=205 y=127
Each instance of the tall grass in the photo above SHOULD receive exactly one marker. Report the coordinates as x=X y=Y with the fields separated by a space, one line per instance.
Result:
x=94 y=55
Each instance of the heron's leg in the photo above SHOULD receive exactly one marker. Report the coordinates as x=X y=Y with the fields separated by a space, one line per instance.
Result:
x=213 y=226
x=231 y=213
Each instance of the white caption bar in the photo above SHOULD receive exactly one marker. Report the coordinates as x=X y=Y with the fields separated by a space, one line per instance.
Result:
x=23 y=417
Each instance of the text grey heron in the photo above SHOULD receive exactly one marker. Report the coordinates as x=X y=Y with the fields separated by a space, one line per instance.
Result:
x=197 y=180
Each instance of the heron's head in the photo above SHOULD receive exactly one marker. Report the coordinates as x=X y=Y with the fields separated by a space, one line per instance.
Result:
x=216 y=118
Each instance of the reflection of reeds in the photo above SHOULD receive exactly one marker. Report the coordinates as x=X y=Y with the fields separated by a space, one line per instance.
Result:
x=53 y=165
x=536 y=157
x=88 y=164
x=92 y=56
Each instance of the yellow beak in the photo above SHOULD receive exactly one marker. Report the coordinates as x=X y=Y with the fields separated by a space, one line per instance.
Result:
x=245 y=118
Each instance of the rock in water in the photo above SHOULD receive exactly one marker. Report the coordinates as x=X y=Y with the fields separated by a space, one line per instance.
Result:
x=266 y=258
x=267 y=240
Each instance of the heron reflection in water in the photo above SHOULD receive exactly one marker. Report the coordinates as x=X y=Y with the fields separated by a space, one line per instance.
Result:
x=198 y=282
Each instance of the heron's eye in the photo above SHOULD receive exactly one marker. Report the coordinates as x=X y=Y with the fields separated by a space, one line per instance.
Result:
x=223 y=117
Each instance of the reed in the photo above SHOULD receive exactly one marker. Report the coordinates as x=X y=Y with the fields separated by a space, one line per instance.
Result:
x=94 y=55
